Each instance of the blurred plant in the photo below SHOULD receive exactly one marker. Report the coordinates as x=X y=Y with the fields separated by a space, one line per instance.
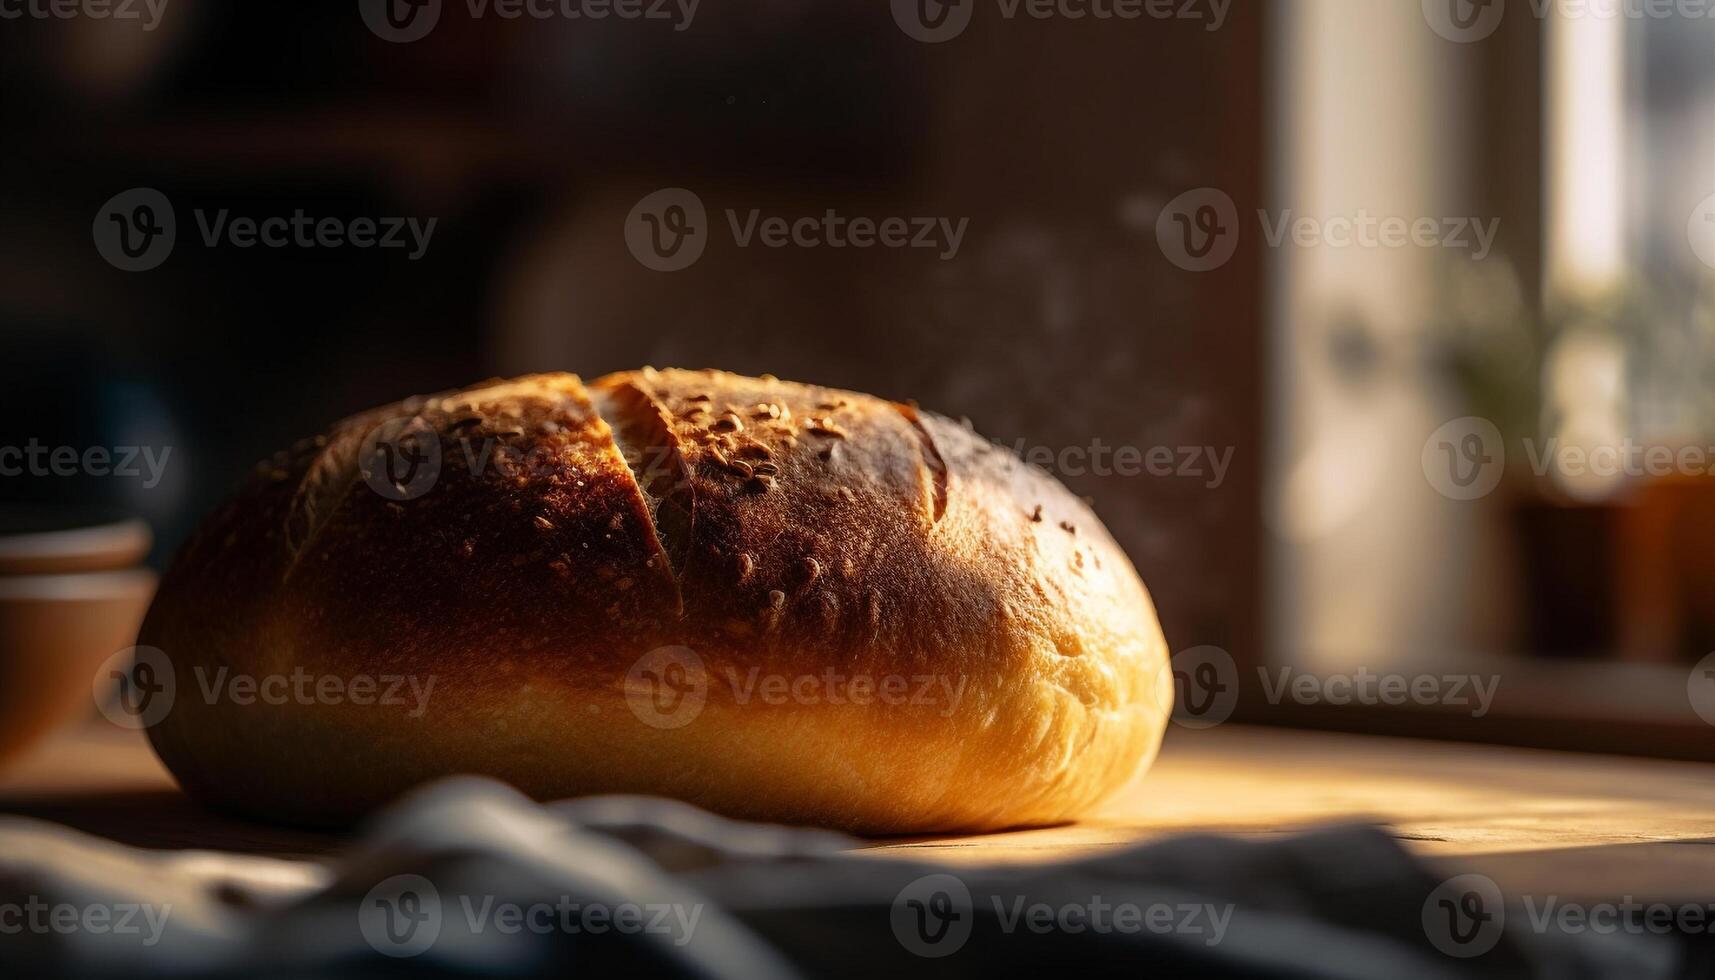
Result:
x=1528 y=366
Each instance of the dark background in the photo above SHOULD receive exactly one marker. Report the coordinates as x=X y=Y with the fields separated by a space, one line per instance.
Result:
x=1058 y=323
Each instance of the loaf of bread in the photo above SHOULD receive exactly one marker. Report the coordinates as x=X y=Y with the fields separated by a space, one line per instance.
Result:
x=778 y=601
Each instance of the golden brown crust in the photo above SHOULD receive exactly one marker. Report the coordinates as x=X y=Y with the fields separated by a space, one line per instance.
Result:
x=888 y=624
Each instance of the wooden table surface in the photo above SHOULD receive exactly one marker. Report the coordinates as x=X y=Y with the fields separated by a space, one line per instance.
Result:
x=1576 y=825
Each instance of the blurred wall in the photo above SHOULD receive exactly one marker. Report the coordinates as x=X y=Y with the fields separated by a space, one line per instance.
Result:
x=1373 y=113
x=1058 y=325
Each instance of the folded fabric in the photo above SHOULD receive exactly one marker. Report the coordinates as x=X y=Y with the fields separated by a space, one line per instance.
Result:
x=469 y=879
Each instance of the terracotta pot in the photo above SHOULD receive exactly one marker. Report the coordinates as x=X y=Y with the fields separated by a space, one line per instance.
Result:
x=69 y=600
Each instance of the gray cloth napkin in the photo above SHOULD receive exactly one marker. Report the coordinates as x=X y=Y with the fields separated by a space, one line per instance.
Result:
x=469 y=879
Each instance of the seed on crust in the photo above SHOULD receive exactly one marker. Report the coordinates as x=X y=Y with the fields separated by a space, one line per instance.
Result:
x=824 y=426
x=754 y=450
